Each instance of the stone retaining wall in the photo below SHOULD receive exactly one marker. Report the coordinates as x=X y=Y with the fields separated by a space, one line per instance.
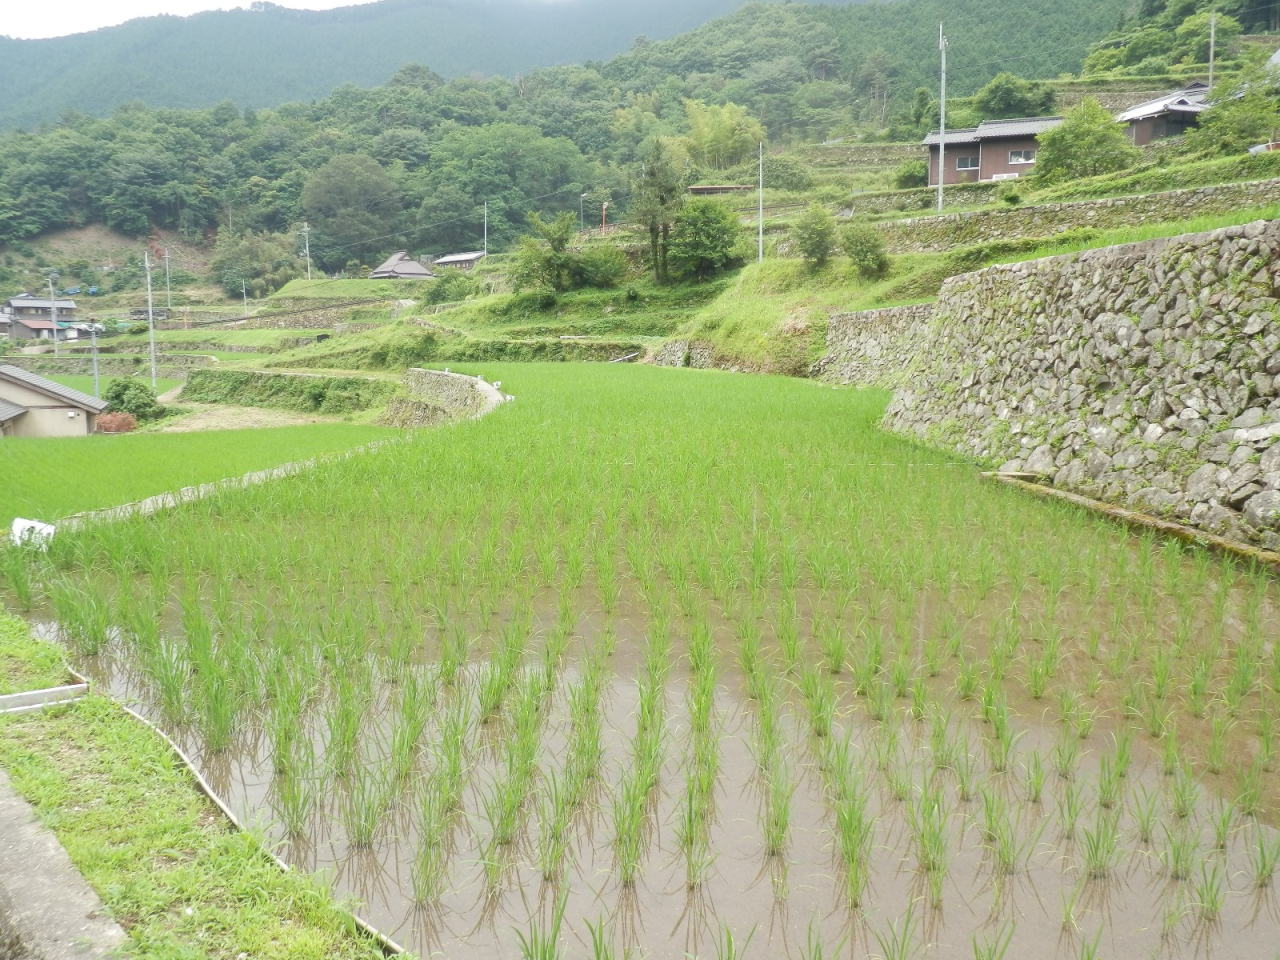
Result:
x=934 y=234
x=1144 y=375
x=460 y=395
x=685 y=353
x=923 y=198
x=167 y=367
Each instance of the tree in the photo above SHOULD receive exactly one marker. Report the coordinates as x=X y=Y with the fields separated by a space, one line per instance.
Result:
x=721 y=136
x=1241 y=115
x=543 y=261
x=352 y=204
x=865 y=248
x=1008 y=96
x=704 y=238
x=130 y=395
x=815 y=235
x=1191 y=39
x=1087 y=143
x=658 y=195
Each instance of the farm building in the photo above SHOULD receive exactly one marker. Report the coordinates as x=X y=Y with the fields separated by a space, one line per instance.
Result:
x=1169 y=116
x=401 y=266
x=459 y=261
x=32 y=406
x=993 y=150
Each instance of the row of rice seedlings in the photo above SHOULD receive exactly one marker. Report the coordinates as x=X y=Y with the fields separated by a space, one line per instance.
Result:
x=440 y=802
x=702 y=761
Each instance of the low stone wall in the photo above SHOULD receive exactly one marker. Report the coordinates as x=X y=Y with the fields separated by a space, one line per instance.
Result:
x=168 y=367
x=1144 y=375
x=458 y=394
x=303 y=392
x=934 y=234
x=685 y=353
x=405 y=412
x=924 y=198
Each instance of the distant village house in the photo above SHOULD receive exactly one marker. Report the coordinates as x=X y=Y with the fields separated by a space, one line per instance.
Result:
x=401 y=266
x=459 y=261
x=33 y=406
x=31 y=318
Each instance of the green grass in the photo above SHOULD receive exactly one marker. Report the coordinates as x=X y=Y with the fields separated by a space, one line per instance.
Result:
x=51 y=478
x=218 y=335
x=166 y=865
x=85 y=384
x=26 y=663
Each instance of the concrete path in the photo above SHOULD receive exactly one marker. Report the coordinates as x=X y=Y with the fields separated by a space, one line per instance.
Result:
x=47 y=909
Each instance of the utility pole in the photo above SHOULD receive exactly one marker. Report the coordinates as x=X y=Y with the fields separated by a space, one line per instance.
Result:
x=604 y=219
x=306 y=244
x=942 y=119
x=93 y=333
x=1213 y=37
x=486 y=228
x=760 y=257
x=244 y=295
x=151 y=318
x=168 y=291
x=53 y=305
x=582 y=214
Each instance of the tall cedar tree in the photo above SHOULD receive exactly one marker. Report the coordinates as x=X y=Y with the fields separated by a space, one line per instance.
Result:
x=658 y=197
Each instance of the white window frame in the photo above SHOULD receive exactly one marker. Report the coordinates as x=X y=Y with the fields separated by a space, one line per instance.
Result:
x=972 y=163
x=1022 y=156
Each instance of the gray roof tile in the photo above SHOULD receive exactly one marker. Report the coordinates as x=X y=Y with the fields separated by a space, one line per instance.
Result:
x=10 y=411
x=45 y=385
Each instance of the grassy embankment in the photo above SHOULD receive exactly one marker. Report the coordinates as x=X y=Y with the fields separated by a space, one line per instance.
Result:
x=85 y=384
x=773 y=315
x=166 y=865
x=59 y=477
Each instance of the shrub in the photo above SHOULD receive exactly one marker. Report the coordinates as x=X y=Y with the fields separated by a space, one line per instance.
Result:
x=451 y=286
x=705 y=238
x=911 y=174
x=600 y=266
x=130 y=395
x=815 y=235
x=864 y=246
x=117 y=423
x=1087 y=143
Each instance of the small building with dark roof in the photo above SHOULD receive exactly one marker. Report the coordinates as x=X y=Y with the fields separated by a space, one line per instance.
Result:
x=993 y=150
x=34 y=406
x=1169 y=116
x=401 y=266
x=460 y=261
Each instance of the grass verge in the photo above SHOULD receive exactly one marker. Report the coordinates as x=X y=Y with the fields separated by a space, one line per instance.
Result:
x=27 y=663
x=168 y=868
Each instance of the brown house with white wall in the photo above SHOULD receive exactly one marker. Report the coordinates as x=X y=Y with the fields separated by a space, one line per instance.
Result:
x=993 y=150
x=1169 y=116
x=33 y=406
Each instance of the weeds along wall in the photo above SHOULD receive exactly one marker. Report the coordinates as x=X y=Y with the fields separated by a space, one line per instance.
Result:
x=1144 y=375
x=306 y=393
x=168 y=366
x=923 y=198
x=938 y=234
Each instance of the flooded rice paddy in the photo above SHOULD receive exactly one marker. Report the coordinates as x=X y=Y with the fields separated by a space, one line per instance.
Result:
x=749 y=674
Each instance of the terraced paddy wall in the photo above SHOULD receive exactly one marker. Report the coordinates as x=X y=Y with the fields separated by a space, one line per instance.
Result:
x=1144 y=375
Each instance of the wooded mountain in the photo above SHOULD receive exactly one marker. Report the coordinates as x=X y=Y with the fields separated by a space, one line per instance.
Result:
x=266 y=55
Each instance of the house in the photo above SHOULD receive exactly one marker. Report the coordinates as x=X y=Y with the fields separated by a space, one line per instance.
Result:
x=41 y=308
x=713 y=189
x=32 y=406
x=1169 y=116
x=459 y=261
x=25 y=328
x=993 y=150
x=400 y=266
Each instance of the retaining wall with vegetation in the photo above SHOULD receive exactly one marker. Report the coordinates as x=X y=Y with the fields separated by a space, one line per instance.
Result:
x=305 y=393
x=1145 y=375
x=171 y=367
x=936 y=234
x=921 y=198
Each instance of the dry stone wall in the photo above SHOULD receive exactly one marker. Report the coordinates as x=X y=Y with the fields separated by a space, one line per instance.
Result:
x=934 y=234
x=1144 y=375
x=923 y=198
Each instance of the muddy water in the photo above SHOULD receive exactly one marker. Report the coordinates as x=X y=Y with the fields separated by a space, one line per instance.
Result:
x=1048 y=902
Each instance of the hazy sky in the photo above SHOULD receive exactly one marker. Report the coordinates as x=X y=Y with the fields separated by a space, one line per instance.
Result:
x=54 y=18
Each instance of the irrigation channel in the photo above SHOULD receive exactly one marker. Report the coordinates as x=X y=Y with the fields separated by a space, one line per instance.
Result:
x=686 y=683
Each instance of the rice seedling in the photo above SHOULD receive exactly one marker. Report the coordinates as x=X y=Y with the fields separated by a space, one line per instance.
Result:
x=1145 y=814
x=995 y=945
x=1264 y=855
x=1210 y=891
x=1070 y=808
x=542 y=942
x=368 y=795
x=1100 y=845
x=1034 y=769
x=898 y=941
x=1180 y=853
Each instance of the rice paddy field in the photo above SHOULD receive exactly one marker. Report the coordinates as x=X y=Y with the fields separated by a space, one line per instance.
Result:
x=671 y=663
x=48 y=479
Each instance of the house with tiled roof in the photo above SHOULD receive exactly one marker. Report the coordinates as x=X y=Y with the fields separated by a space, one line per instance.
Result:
x=34 y=406
x=993 y=150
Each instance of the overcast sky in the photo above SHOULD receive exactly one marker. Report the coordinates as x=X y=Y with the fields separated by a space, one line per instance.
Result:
x=54 y=18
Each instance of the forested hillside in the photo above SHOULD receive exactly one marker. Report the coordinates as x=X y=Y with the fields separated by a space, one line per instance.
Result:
x=414 y=161
x=267 y=55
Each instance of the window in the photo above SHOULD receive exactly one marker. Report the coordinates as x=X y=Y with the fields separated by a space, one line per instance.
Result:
x=966 y=163
x=1022 y=156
